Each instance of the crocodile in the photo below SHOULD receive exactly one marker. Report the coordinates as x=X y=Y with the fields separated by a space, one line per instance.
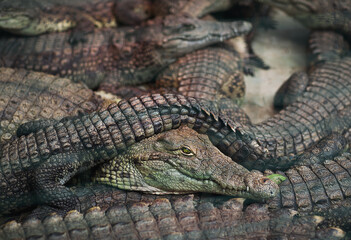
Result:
x=234 y=9
x=206 y=73
x=277 y=142
x=321 y=189
x=133 y=12
x=323 y=46
x=318 y=188
x=35 y=17
x=318 y=14
x=47 y=158
x=26 y=96
x=214 y=73
x=322 y=108
x=194 y=8
x=158 y=165
x=178 y=217
x=119 y=213
x=122 y=56
x=348 y=137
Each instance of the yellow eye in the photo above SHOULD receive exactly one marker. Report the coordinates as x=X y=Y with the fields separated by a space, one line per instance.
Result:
x=187 y=151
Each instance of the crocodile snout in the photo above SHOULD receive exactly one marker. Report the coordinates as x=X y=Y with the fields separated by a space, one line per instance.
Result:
x=260 y=185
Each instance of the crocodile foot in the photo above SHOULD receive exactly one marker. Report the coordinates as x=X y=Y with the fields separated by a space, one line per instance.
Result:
x=77 y=36
x=254 y=61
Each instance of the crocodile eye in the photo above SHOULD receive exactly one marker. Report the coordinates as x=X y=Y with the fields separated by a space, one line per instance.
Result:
x=188 y=27
x=187 y=151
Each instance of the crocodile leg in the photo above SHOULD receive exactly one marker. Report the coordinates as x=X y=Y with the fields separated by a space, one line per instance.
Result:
x=318 y=14
x=340 y=21
x=34 y=126
x=328 y=148
x=84 y=24
x=80 y=31
x=290 y=90
x=49 y=179
x=260 y=18
x=326 y=46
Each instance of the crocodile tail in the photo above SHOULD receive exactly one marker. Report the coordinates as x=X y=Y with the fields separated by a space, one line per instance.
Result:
x=326 y=46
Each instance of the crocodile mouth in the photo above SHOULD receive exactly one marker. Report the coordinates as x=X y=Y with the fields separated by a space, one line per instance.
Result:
x=221 y=32
x=210 y=186
x=243 y=189
x=248 y=192
x=243 y=192
x=217 y=36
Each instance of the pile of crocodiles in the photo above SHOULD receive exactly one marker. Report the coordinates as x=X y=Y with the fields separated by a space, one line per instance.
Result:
x=121 y=119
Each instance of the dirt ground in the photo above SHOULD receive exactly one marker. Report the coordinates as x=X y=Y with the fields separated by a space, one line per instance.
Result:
x=284 y=50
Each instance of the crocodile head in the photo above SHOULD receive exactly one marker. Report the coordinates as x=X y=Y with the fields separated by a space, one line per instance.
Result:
x=177 y=35
x=15 y=19
x=161 y=41
x=183 y=161
x=31 y=21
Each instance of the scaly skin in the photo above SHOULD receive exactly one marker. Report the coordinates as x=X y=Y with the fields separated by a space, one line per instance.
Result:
x=57 y=152
x=26 y=96
x=348 y=137
x=133 y=12
x=178 y=217
x=202 y=9
x=212 y=73
x=324 y=107
x=194 y=8
x=290 y=90
x=318 y=14
x=181 y=161
x=206 y=73
x=319 y=188
x=264 y=220
x=33 y=17
x=322 y=189
x=121 y=56
x=324 y=46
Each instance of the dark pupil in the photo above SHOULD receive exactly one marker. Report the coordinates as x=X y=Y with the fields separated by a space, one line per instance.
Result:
x=186 y=150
